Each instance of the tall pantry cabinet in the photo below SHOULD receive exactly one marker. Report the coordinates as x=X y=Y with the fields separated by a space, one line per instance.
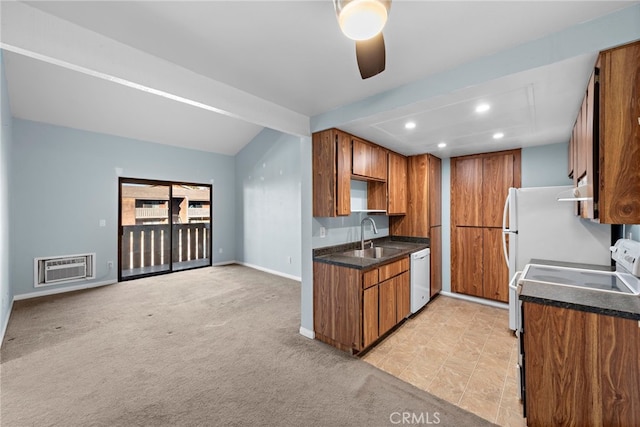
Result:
x=479 y=186
x=423 y=216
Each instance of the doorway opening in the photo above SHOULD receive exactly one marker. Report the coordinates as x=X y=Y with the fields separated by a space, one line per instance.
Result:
x=164 y=227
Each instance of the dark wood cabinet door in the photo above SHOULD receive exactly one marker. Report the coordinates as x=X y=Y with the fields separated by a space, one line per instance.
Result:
x=497 y=177
x=324 y=174
x=343 y=177
x=369 y=160
x=495 y=274
x=387 y=307
x=397 y=185
x=435 y=191
x=435 y=270
x=466 y=191
x=466 y=260
x=370 y=315
x=403 y=296
x=620 y=135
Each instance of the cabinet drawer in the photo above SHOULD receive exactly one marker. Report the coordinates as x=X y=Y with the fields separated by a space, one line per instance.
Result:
x=370 y=278
x=393 y=269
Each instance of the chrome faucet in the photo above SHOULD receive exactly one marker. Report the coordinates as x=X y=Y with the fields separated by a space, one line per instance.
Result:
x=375 y=230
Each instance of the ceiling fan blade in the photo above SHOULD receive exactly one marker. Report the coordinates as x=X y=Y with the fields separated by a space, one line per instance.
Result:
x=371 y=56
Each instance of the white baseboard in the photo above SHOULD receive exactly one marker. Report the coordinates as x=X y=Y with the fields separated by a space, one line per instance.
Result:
x=307 y=333
x=62 y=290
x=482 y=301
x=5 y=322
x=267 y=270
x=219 y=264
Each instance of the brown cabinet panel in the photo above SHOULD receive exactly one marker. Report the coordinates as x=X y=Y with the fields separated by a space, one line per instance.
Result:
x=620 y=135
x=466 y=261
x=387 y=307
x=435 y=269
x=397 y=184
x=581 y=368
x=424 y=198
x=369 y=160
x=497 y=177
x=435 y=191
x=466 y=191
x=370 y=315
x=495 y=275
x=331 y=152
x=403 y=296
x=393 y=269
x=619 y=347
x=560 y=349
x=336 y=304
x=370 y=278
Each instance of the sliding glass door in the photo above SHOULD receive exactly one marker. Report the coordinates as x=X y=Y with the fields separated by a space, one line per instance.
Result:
x=164 y=227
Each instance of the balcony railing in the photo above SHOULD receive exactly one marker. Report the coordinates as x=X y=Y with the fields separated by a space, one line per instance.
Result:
x=148 y=248
x=198 y=212
x=152 y=212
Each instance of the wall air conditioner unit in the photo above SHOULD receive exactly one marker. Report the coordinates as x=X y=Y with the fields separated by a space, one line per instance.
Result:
x=63 y=269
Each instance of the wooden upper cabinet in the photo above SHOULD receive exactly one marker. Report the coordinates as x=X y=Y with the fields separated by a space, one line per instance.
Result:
x=369 y=160
x=479 y=187
x=619 y=131
x=435 y=191
x=466 y=191
x=331 y=151
x=497 y=177
x=397 y=184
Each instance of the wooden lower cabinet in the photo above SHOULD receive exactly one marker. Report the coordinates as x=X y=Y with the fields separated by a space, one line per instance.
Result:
x=477 y=263
x=370 y=315
x=353 y=308
x=581 y=368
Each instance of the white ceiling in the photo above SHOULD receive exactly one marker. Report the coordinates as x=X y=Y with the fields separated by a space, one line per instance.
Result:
x=291 y=55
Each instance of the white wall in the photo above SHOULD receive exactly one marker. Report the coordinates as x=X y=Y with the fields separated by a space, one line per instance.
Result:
x=268 y=204
x=6 y=142
x=65 y=181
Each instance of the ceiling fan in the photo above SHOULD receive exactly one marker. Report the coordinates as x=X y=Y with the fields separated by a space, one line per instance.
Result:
x=363 y=21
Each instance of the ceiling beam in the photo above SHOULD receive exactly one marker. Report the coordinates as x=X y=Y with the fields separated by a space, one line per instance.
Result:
x=39 y=35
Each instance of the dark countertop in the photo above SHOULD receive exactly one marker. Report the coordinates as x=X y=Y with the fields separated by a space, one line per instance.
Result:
x=582 y=299
x=332 y=254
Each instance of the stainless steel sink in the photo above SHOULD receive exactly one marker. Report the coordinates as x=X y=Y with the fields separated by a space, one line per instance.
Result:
x=377 y=252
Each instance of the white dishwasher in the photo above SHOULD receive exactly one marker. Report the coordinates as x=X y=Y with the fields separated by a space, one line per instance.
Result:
x=420 y=279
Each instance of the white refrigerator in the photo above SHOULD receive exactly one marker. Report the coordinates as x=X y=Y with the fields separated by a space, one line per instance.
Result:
x=540 y=226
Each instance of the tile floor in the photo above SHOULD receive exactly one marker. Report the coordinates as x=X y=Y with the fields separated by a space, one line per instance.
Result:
x=460 y=351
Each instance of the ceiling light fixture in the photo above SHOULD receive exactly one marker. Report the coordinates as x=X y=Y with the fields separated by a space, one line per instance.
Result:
x=482 y=108
x=362 y=19
x=442 y=145
x=410 y=125
x=498 y=135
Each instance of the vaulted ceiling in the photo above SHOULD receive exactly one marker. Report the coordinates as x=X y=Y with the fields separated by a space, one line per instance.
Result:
x=210 y=75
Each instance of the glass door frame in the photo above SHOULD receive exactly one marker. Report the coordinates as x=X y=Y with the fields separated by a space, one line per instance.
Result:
x=170 y=219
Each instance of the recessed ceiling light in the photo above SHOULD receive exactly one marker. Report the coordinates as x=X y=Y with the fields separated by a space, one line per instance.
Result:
x=442 y=145
x=482 y=108
x=498 y=135
x=410 y=125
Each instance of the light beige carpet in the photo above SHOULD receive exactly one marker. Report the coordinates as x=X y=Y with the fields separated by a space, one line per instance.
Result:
x=215 y=346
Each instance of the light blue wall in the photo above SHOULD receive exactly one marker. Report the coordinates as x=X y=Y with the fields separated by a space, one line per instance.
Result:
x=346 y=229
x=545 y=165
x=66 y=180
x=306 y=198
x=635 y=232
x=6 y=143
x=268 y=204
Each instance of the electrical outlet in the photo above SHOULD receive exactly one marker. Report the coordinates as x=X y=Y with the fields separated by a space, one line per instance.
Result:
x=110 y=264
x=289 y=259
x=323 y=232
x=220 y=250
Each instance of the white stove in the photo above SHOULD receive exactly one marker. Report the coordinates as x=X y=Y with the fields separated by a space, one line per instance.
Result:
x=626 y=254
